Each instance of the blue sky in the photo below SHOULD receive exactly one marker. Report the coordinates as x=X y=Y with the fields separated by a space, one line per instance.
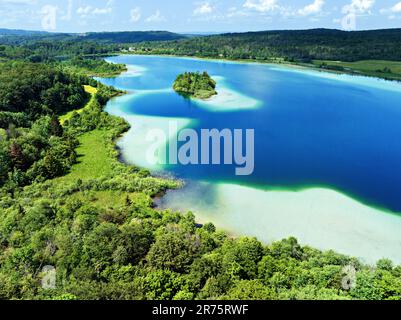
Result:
x=198 y=16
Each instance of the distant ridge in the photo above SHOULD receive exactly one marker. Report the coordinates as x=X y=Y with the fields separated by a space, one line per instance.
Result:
x=314 y=31
x=132 y=36
x=17 y=32
x=291 y=45
x=16 y=36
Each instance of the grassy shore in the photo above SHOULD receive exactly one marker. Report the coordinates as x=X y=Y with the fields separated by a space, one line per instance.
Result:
x=93 y=158
x=390 y=70
x=99 y=178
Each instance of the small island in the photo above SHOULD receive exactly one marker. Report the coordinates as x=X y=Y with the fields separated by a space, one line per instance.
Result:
x=195 y=84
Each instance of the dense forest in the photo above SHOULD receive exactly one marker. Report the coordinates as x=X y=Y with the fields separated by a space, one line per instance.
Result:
x=67 y=202
x=372 y=53
x=92 y=67
x=24 y=37
x=195 y=84
x=291 y=45
x=45 y=47
x=298 y=45
x=32 y=144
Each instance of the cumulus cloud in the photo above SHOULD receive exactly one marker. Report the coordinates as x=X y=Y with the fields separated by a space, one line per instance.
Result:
x=204 y=8
x=359 y=6
x=156 y=17
x=313 y=8
x=102 y=10
x=392 y=12
x=235 y=12
x=86 y=11
x=261 y=5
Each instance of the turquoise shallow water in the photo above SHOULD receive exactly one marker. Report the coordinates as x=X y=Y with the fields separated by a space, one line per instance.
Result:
x=314 y=131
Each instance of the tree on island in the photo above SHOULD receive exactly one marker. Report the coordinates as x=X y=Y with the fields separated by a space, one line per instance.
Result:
x=195 y=84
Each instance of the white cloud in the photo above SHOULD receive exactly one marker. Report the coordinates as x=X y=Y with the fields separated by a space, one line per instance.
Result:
x=234 y=12
x=49 y=17
x=393 y=12
x=18 y=2
x=261 y=5
x=204 y=8
x=354 y=10
x=67 y=14
x=13 y=12
x=359 y=6
x=102 y=11
x=313 y=8
x=396 y=8
x=84 y=11
x=136 y=14
x=156 y=17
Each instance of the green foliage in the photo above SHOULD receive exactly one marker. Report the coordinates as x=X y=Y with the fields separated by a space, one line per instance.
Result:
x=174 y=249
x=291 y=45
x=93 y=67
x=37 y=90
x=66 y=201
x=375 y=68
x=19 y=119
x=372 y=53
x=126 y=249
x=195 y=84
x=36 y=154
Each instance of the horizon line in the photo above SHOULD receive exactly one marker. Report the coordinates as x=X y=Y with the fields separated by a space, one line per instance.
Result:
x=192 y=32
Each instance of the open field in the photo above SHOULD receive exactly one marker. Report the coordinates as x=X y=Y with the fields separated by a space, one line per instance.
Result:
x=94 y=160
x=376 y=68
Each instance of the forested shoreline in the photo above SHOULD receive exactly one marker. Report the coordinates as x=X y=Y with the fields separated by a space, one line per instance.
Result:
x=67 y=202
x=323 y=49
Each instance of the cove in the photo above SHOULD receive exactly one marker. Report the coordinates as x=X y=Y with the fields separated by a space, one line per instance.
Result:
x=327 y=152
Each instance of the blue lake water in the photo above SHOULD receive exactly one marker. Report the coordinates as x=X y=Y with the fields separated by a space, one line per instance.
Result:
x=327 y=145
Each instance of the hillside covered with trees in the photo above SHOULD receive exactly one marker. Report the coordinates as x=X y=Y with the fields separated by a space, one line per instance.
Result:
x=293 y=45
x=24 y=37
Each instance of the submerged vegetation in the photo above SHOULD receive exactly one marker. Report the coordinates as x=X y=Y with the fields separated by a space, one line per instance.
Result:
x=195 y=84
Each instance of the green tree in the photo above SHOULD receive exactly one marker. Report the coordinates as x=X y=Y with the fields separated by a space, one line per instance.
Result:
x=55 y=126
x=17 y=157
x=174 y=249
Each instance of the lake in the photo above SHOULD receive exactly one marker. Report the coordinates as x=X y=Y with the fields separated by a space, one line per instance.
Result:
x=327 y=151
